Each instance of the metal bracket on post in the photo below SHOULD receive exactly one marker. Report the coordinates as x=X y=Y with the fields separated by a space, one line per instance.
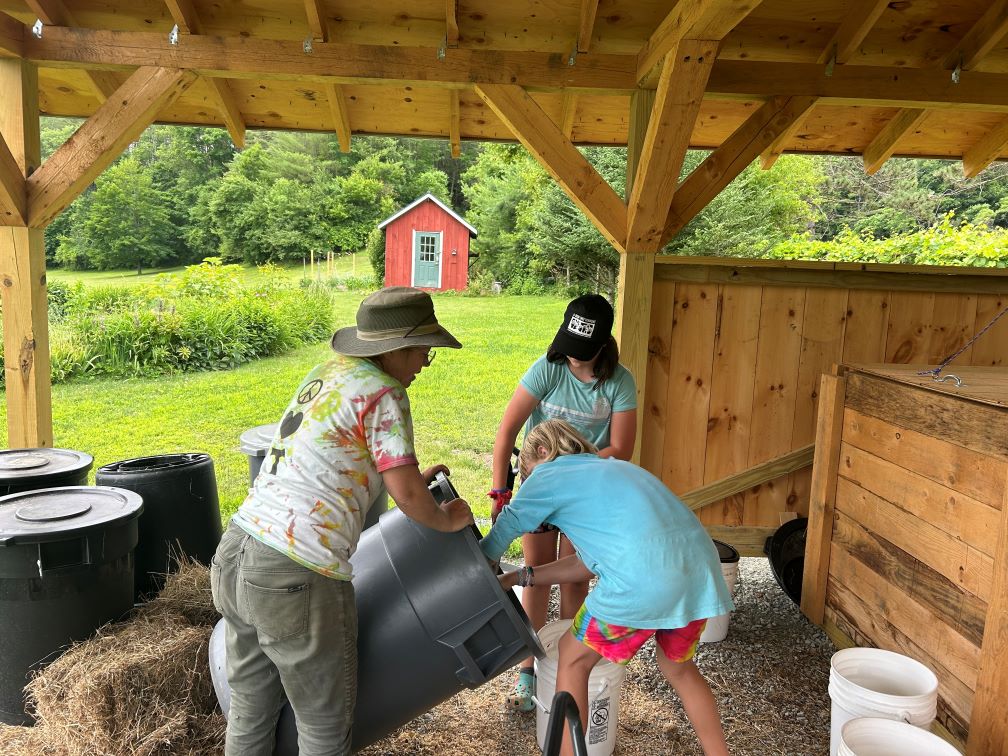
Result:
x=957 y=71
x=173 y=35
x=572 y=58
x=307 y=46
x=831 y=62
x=37 y=28
x=442 y=50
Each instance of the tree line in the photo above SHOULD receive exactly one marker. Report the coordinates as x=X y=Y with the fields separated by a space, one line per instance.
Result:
x=181 y=194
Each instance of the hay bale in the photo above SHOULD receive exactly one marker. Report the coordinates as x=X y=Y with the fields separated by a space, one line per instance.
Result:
x=186 y=593
x=140 y=687
x=27 y=741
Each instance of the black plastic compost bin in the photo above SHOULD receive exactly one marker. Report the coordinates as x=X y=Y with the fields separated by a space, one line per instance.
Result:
x=432 y=619
x=181 y=513
x=785 y=550
x=66 y=569
x=31 y=469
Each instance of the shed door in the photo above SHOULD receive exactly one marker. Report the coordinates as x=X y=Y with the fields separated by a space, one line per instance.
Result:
x=427 y=259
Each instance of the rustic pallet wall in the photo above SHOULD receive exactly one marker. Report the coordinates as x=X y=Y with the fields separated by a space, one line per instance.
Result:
x=905 y=539
x=737 y=348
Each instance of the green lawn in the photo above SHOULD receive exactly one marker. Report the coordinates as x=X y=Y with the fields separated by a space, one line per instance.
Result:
x=457 y=402
x=344 y=265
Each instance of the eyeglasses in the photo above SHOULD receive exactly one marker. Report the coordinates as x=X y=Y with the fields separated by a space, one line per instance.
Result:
x=429 y=358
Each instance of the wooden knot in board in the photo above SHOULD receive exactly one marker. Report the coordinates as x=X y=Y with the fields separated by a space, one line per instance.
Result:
x=26 y=357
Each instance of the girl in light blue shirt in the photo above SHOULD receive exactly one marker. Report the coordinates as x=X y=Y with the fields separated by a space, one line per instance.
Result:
x=658 y=571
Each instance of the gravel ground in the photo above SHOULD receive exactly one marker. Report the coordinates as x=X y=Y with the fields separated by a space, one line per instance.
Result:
x=769 y=675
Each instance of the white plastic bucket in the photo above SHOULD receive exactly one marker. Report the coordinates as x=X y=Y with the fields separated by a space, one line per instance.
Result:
x=871 y=682
x=604 y=685
x=717 y=627
x=885 y=737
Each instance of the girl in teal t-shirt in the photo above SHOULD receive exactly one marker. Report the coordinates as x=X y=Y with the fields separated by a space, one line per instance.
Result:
x=578 y=380
x=658 y=571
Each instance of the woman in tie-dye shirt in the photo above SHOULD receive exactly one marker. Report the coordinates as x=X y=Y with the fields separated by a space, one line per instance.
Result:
x=281 y=575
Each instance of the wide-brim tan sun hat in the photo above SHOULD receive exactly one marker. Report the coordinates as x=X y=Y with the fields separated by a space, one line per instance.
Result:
x=394 y=318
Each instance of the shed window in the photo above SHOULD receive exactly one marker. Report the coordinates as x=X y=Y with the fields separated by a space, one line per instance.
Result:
x=428 y=248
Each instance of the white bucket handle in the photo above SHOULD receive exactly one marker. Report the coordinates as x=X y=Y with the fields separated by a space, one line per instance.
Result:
x=539 y=703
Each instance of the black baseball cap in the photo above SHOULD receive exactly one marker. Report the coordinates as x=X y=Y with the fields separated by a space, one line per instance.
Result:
x=587 y=326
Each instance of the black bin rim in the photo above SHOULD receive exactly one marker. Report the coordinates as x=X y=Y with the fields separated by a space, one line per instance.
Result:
x=120 y=506
x=53 y=464
x=154 y=462
x=727 y=553
x=784 y=549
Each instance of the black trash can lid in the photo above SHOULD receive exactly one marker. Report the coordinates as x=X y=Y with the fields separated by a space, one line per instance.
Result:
x=158 y=462
x=53 y=514
x=726 y=553
x=256 y=441
x=23 y=466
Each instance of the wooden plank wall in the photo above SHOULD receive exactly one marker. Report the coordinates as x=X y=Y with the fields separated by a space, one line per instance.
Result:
x=917 y=516
x=736 y=351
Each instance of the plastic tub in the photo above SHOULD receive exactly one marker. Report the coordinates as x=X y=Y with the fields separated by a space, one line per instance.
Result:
x=786 y=551
x=181 y=513
x=254 y=444
x=717 y=627
x=604 y=685
x=872 y=682
x=66 y=566
x=432 y=619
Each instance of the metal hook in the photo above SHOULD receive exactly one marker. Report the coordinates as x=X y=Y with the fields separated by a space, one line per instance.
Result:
x=948 y=377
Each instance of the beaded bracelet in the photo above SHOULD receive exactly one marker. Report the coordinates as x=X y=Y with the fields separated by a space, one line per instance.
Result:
x=526 y=576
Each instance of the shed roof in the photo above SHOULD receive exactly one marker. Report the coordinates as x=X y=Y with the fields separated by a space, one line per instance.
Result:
x=878 y=73
x=436 y=201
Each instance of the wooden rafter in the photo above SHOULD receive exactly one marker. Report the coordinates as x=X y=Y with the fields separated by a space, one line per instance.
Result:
x=986 y=34
x=586 y=25
x=13 y=194
x=188 y=20
x=986 y=151
x=691 y=19
x=841 y=48
x=11 y=37
x=101 y=139
x=731 y=158
x=333 y=62
x=575 y=175
x=454 y=124
x=55 y=13
x=568 y=112
x=451 y=23
x=677 y=103
x=340 y=114
x=315 y=14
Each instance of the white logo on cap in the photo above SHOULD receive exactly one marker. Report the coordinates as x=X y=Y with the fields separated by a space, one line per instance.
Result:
x=580 y=326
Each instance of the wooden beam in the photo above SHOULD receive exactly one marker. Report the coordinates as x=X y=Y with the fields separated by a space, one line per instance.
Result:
x=340 y=114
x=11 y=37
x=587 y=24
x=55 y=13
x=575 y=175
x=983 y=36
x=731 y=158
x=856 y=24
x=568 y=112
x=883 y=145
x=822 y=496
x=316 y=20
x=989 y=722
x=185 y=16
x=13 y=191
x=710 y=493
x=454 y=124
x=747 y=541
x=986 y=151
x=691 y=19
x=451 y=23
x=228 y=108
x=22 y=274
x=670 y=128
x=101 y=139
x=332 y=62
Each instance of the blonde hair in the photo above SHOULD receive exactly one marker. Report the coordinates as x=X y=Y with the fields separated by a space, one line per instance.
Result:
x=558 y=438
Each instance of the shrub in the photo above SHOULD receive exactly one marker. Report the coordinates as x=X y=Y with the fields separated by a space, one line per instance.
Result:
x=375 y=248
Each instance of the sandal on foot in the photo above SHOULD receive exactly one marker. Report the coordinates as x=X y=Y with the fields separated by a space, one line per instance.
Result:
x=520 y=699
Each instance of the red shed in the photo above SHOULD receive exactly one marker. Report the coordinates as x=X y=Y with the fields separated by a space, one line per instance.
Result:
x=427 y=246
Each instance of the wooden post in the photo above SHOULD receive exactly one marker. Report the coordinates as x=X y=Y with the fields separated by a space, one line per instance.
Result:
x=989 y=722
x=822 y=496
x=636 y=275
x=22 y=273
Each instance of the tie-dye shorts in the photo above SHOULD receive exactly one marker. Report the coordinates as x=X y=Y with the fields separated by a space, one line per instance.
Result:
x=620 y=644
